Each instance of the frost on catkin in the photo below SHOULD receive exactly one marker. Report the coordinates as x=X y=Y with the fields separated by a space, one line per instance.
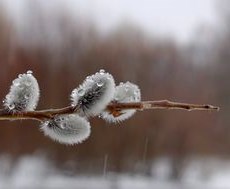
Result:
x=94 y=94
x=67 y=129
x=124 y=92
x=24 y=93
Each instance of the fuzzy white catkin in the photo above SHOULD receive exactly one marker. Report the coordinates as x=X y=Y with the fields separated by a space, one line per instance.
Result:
x=124 y=92
x=94 y=94
x=67 y=129
x=24 y=93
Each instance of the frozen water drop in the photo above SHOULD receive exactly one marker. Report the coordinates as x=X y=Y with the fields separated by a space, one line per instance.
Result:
x=73 y=93
x=136 y=94
x=81 y=92
x=126 y=89
x=100 y=83
x=102 y=71
x=28 y=83
x=29 y=72
x=46 y=123
x=20 y=87
x=11 y=106
x=16 y=83
x=27 y=96
x=20 y=75
x=62 y=125
x=116 y=98
x=89 y=79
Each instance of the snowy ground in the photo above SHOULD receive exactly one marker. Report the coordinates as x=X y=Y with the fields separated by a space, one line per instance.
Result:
x=37 y=172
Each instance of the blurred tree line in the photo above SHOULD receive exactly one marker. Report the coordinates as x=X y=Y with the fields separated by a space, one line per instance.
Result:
x=62 y=50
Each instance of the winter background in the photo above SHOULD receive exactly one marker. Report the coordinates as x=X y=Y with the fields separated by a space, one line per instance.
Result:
x=177 y=50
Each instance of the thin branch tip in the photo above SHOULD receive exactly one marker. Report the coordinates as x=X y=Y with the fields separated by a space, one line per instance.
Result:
x=161 y=104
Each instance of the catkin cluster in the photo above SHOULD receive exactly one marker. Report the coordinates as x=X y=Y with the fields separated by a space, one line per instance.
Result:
x=89 y=99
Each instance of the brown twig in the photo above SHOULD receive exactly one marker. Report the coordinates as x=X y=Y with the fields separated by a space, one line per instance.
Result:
x=113 y=107
x=161 y=104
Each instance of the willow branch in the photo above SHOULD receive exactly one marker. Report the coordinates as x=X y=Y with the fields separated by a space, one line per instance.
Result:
x=43 y=115
x=161 y=104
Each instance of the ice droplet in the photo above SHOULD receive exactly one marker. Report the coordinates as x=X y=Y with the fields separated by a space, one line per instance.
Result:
x=62 y=119
x=100 y=83
x=7 y=96
x=28 y=83
x=89 y=79
x=27 y=96
x=20 y=75
x=116 y=98
x=81 y=92
x=29 y=72
x=136 y=95
x=16 y=83
x=73 y=93
x=46 y=123
x=11 y=106
x=62 y=125
x=102 y=71
x=20 y=87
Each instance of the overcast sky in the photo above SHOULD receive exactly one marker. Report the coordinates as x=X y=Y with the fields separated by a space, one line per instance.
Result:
x=177 y=18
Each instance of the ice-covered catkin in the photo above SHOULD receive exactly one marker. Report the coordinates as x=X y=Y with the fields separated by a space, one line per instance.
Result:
x=67 y=129
x=124 y=92
x=94 y=94
x=24 y=94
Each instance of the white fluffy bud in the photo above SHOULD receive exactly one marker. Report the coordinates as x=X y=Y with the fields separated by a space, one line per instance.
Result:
x=124 y=92
x=67 y=129
x=94 y=94
x=24 y=93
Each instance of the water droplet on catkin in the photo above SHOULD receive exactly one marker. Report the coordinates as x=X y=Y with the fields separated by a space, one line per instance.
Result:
x=100 y=83
x=27 y=96
x=16 y=83
x=11 y=106
x=29 y=72
x=46 y=123
x=126 y=89
x=27 y=83
x=81 y=92
x=102 y=71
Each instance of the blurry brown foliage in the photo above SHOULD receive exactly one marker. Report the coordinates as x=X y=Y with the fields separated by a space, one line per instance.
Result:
x=62 y=51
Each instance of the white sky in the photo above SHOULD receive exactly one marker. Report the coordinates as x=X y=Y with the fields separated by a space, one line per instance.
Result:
x=177 y=18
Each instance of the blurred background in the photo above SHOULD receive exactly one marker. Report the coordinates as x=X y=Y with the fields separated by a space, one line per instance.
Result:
x=177 y=50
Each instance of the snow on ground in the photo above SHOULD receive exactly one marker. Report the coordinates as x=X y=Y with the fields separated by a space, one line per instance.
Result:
x=37 y=172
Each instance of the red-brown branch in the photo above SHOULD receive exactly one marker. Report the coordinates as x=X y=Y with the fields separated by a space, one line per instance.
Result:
x=113 y=107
